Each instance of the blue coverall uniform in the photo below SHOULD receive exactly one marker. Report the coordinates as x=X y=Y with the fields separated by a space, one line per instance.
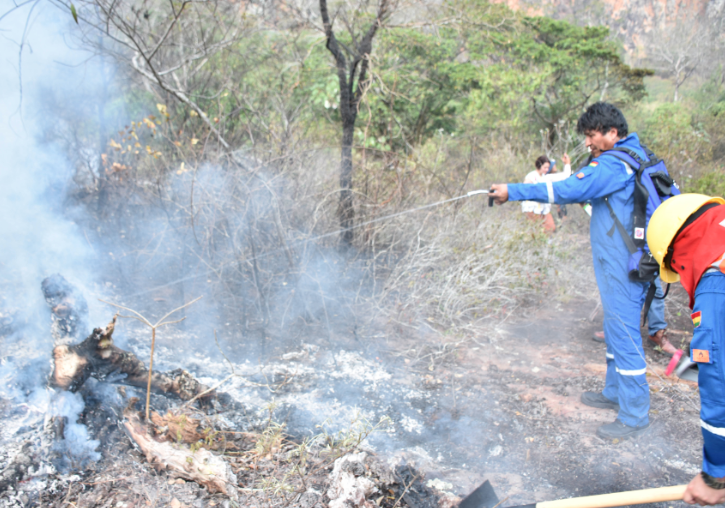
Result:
x=709 y=335
x=622 y=299
x=656 y=315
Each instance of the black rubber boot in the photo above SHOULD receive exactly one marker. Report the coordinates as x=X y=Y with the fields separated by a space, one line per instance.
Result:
x=595 y=399
x=618 y=430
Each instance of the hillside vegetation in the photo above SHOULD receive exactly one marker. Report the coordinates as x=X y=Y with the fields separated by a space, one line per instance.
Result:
x=455 y=97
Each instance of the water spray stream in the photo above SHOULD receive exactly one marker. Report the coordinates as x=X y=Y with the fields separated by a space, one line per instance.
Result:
x=325 y=235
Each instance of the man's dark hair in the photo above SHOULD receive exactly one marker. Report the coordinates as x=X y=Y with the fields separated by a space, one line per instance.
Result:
x=602 y=116
x=540 y=161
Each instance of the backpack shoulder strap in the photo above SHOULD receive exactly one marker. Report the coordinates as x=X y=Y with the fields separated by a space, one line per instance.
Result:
x=631 y=247
x=650 y=154
x=626 y=155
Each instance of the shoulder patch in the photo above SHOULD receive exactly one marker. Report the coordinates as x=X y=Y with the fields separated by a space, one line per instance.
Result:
x=701 y=355
x=580 y=175
x=594 y=164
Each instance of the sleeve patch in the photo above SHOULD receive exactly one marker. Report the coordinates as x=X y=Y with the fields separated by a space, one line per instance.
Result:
x=580 y=175
x=594 y=164
x=701 y=355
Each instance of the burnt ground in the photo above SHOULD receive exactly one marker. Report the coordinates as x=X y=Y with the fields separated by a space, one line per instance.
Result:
x=508 y=410
x=497 y=402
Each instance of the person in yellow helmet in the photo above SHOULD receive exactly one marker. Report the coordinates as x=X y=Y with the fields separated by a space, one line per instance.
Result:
x=686 y=235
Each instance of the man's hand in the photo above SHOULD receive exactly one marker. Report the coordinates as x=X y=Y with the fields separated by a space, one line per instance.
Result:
x=499 y=193
x=565 y=159
x=698 y=492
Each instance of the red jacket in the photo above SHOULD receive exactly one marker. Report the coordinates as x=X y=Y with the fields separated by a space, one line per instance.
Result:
x=697 y=247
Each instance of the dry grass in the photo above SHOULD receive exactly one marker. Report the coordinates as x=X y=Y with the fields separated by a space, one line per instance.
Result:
x=250 y=229
x=477 y=264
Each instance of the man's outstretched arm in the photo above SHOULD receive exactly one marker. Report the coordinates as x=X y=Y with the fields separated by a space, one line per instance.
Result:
x=589 y=183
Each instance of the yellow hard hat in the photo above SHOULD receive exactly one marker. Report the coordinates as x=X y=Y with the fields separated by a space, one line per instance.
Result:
x=667 y=220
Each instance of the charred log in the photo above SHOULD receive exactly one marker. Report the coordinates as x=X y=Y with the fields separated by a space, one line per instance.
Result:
x=99 y=358
x=69 y=308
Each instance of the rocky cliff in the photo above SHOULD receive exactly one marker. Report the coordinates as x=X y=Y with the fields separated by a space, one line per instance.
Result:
x=629 y=19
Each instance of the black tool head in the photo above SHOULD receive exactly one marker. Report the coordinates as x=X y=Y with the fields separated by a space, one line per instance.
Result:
x=482 y=497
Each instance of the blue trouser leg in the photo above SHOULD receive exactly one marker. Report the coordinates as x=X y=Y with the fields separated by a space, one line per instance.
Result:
x=710 y=336
x=626 y=381
x=611 y=383
x=656 y=315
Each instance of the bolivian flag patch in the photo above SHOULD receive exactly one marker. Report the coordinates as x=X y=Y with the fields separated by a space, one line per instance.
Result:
x=696 y=318
x=594 y=164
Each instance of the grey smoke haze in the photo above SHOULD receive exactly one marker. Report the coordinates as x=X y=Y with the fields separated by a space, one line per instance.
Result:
x=37 y=239
x=142 y=247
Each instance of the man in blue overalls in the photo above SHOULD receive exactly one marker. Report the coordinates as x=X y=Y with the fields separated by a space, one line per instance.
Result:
x=606 y=178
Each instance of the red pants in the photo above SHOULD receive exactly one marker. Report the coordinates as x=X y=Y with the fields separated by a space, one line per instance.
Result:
x=547 y=220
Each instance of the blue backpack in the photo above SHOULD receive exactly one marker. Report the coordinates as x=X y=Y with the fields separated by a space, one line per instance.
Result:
x=652 y=186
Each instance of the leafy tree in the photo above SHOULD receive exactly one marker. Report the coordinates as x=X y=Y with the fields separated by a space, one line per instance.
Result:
x=488 y=70
x=576 y=66
x=417 y=89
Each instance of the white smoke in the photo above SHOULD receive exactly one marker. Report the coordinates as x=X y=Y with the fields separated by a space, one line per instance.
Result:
x=37 y=239
x=76 y=440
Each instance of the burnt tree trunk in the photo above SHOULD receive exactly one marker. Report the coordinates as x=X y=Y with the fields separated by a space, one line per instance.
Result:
x=98 y=357
x=351 y=64
x=346 y=211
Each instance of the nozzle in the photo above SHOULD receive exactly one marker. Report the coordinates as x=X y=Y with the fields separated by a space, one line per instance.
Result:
x=482 y=191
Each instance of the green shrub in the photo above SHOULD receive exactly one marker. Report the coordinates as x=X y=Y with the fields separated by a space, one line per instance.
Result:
x=711 y=183
x=670 y=133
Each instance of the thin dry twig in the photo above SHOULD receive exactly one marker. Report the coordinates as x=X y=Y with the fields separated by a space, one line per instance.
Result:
x=406 y=490
x=153 y=327
x=205 y=392
x=501 y=502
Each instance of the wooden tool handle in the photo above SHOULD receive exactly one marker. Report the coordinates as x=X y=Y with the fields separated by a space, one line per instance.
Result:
x=619 y=498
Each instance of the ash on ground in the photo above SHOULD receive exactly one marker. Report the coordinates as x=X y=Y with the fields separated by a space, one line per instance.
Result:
x=385 y=415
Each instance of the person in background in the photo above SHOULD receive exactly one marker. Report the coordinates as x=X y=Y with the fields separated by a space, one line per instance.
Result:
x=556 y=176
x=606 y=178
x=686 y=235
x=561 y=210
x=542 y=211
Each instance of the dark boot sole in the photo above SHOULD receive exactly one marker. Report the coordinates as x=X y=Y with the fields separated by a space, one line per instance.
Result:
x=603 y=405
x=635 y=433
x=597 y=339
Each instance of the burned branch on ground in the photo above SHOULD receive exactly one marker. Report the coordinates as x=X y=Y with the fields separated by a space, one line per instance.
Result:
x=263 y=466
x=199 y=465
x=99 y=358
